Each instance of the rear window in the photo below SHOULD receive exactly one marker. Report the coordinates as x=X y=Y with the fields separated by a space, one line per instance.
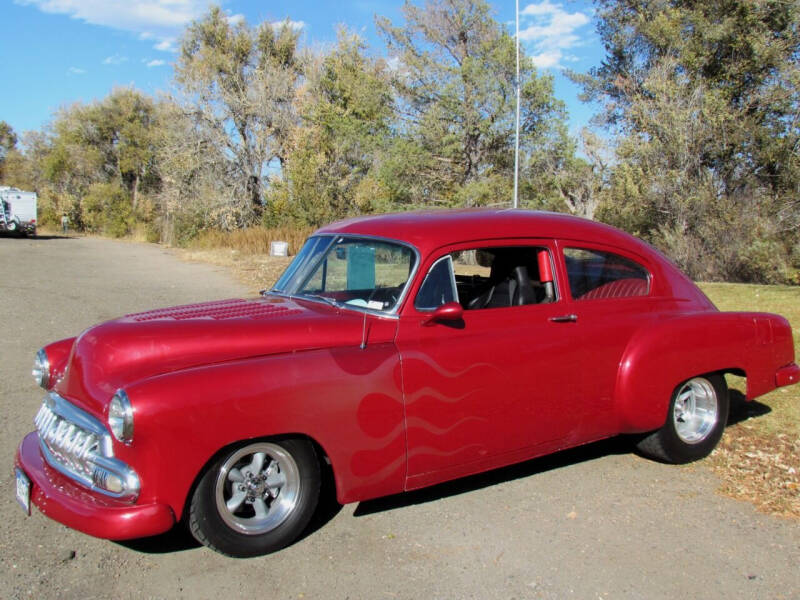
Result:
x=594 y=274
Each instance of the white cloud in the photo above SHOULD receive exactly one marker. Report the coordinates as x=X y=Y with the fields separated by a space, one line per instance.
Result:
x=115 y=59
x=167 y=45
x=155 y=63
x=236 y=19
x=76 y=71
x=548 y=59
x=553 y=31
x=295 y=25
x=542 y=8
x=151 y=19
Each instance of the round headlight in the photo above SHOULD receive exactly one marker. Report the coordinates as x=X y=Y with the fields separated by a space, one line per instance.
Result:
x=41 y=369
x=120 y=417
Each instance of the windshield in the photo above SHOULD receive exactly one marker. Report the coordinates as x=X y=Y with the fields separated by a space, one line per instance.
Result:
x=352 y=271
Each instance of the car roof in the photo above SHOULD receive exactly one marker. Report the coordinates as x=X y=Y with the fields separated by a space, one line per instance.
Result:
x=428 y=230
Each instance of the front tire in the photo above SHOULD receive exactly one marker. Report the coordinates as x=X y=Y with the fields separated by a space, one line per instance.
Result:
x=698 y=413
x=256 y=498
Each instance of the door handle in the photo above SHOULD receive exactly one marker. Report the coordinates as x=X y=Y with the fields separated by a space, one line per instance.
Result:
x=564 y=319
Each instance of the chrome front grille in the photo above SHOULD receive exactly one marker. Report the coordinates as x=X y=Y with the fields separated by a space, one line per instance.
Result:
x=79 y=446
x=70 y=445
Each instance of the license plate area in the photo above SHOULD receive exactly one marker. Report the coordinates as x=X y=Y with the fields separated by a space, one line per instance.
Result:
x=23 y=488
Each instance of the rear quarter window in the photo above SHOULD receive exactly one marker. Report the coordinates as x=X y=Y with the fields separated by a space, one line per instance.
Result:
x=595 y=274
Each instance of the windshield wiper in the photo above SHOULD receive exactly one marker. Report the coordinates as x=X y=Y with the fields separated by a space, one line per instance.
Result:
x=327 y=299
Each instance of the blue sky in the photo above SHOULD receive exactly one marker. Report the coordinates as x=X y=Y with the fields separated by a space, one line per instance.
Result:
x=56 y=52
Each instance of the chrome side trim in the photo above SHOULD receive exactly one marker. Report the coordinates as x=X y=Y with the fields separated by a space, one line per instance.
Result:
x=452 y=281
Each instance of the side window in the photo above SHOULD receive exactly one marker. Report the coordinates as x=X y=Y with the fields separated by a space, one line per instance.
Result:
x=439 y=286
x=594 y=274
x=492 y=277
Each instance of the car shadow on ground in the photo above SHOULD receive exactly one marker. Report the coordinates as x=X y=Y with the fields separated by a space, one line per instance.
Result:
x=176 y=539
x=617 y=445
x=36 y=238
x=741 y=409
x=47 y=238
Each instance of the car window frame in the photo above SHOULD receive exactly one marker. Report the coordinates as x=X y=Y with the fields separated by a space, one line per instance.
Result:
x=401 y=300
x=549 y=244
x=565 y=243
x=449 y=258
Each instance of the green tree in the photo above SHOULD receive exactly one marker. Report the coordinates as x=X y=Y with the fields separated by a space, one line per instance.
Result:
x=130 y=120
x=238 y=84
x=347 y=111
x=704 y=98
x=8 y=142
x=455 y=77
x=106 y=142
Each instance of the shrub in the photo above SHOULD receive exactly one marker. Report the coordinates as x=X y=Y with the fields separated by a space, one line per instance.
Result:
x=106 y=208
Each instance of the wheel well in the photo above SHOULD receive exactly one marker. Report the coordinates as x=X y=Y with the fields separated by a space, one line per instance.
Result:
x=734 y=371
x=738 y=373
x=325 y=465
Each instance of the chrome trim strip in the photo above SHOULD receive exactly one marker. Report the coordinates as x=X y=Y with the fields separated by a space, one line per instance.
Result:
x=452 y=282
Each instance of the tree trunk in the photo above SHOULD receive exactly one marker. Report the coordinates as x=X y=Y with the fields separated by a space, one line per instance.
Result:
x=254 y=191
x=135 y=199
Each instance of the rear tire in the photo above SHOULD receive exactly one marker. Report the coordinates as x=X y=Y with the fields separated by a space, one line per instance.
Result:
x=256 y=498
x=698 y=413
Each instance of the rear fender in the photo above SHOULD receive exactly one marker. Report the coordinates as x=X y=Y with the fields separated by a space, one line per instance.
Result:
x=663 y=354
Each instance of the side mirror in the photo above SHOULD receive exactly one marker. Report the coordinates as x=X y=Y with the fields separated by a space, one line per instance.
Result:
x=446 y=313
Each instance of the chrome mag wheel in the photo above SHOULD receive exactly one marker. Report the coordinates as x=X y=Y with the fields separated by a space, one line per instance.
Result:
x=257 y=488
x=695 y=411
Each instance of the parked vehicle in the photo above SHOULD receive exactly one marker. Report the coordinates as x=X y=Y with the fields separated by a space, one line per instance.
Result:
x=17 y=211
x=398 y=351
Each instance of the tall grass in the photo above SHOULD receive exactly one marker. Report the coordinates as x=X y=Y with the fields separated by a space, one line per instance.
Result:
x=252 y=241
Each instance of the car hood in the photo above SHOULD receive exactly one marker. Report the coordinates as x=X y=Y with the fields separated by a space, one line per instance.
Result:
x=117 y=353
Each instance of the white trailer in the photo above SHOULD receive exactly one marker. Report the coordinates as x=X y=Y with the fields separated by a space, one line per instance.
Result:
x=17 y=211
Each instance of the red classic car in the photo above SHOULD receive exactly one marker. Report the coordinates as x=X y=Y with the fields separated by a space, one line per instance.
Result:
x=398 y=351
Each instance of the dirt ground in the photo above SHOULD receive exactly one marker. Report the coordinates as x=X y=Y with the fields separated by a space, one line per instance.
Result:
x=597 y=522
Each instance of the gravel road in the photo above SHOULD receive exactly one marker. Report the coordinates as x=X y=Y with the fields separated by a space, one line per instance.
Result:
x=597 y=522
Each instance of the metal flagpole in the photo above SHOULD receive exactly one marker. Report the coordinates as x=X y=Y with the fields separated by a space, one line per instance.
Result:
x=516 y=127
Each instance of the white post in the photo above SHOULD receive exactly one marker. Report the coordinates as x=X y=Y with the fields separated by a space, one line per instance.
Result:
x=516 y=127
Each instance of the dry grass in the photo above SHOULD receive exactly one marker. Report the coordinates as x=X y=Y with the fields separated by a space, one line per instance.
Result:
x=759 y=457
x=257 y=272
x=246 y=252
x=253 y=241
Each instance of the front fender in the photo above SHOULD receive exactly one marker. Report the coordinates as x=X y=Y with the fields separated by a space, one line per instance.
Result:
x=667 y=352
x=58 y=355
x=348 y=400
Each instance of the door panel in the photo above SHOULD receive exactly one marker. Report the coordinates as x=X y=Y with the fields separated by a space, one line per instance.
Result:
x=496 y=384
